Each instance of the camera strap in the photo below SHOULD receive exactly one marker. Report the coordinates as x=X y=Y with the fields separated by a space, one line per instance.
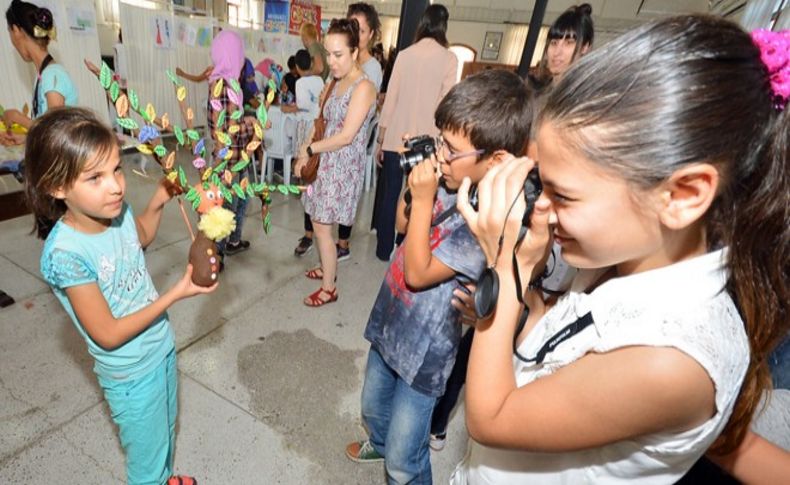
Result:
x=559 y=337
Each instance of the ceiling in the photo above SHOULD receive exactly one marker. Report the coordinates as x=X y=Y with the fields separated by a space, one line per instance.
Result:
x=609 y=15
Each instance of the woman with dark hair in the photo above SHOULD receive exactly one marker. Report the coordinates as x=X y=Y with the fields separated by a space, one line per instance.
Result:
x=569 y=38
x=31 y=29
x=422 y=75
x=369 y=32
x=333 y=197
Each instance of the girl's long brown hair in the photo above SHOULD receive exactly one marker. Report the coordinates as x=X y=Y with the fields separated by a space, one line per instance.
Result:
x=59 y=144
x=686 y=90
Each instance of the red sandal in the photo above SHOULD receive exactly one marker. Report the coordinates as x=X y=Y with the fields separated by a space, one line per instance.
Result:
x=181 y=480
x=316 y=274
x=315 y=300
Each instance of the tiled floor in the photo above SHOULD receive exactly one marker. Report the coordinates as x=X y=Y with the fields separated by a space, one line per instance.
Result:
x=269 y=389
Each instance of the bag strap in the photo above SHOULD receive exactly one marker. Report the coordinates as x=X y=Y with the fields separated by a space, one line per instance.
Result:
x=326 y=96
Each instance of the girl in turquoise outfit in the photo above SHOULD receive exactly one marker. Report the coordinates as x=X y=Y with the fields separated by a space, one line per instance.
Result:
x=31 y=29
x=93 y=260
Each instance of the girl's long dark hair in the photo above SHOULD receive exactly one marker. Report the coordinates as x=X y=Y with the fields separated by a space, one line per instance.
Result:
x=59 y=144
x=27 y=17
x=433 y=24
x=687 y=90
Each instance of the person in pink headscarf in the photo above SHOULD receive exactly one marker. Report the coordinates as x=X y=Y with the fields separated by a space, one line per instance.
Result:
x=227 y=56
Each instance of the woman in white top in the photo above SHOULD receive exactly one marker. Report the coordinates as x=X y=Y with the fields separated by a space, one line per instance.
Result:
x=659 y=350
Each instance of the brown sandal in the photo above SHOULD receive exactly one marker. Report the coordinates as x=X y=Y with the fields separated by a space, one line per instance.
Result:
x=315 y=300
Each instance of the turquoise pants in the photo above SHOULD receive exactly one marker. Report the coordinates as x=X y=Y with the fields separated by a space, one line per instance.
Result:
x=145 y=411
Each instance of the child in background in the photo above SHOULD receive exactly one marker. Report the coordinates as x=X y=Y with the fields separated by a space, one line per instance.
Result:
x=93 y=260
x=413 y=328
x=663 y=157
x=308 y=95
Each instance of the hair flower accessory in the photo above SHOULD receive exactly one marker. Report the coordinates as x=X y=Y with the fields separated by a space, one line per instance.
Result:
x=775 y=54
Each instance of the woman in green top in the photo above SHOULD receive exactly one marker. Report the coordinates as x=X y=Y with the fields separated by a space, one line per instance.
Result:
x=317 y=51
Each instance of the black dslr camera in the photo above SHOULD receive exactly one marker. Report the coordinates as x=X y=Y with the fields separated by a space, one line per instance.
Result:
x=418 y=148
x=487 y=292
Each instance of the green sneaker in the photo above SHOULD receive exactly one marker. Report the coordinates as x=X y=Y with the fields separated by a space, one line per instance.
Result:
x=363 y=452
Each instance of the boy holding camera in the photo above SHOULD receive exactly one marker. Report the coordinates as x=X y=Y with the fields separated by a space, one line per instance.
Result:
x=413 y=328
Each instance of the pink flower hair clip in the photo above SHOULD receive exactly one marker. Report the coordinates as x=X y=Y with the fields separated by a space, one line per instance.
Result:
x=775 y=54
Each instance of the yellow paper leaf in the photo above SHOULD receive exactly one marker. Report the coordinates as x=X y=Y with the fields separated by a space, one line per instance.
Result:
x=228 y=176
x=234 y=129
x=218 y=88
x=190 y=114
x=146 y=149
x=258 y=130
x=270 y=98
x=181 y=93
x=165 y=121
x=245 y=157
x=253 y=145
x=169 y=160
x=172 y=176
x=207 y=173
x=150 y=111
x=122 y=106
x=229 y=155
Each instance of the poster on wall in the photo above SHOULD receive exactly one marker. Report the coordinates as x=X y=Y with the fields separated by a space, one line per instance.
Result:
x=204 y=36
x=82 y=21
x=162 y=32
x=276 y=16
x=187 y=34
x=303 y=12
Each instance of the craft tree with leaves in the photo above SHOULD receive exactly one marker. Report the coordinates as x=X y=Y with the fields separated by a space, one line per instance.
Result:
x=216 y=184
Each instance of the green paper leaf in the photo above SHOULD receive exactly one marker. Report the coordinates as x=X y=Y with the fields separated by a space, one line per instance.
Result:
x=179 y=134
x=216 y=181
x=262 y=114
x=206 y=186
x=267 y=223
x=2 y=110
x=191 y=194
x=172 y=77
x=105 y=75
x=221 y=119
x=259 y=187
x=250 y=191
x=221 y=166
x=128 y=123
x=237 y=188
x=294 y=189
x=145 y=116
x=161 y=151
x=134 y=101
x=182 y=177
x=196 y=203
x=226 y=194
x=234 y=84
x=240 y=166
x=283 y=189
x=115 y=90
x=193 y=135
x=272 y=85
x=236 y=115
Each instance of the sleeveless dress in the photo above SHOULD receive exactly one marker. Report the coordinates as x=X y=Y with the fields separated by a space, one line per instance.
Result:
x=334 y=195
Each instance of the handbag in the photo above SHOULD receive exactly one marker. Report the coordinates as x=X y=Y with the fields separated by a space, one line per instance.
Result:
x=310 y=170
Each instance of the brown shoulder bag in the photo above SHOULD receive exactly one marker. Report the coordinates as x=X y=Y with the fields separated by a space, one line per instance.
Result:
x=310 y=170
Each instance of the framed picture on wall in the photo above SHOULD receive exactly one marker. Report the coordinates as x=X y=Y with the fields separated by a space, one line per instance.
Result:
x=491 y=45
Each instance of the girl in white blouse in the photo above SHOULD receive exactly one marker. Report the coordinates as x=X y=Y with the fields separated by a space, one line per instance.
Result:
x=663 y=161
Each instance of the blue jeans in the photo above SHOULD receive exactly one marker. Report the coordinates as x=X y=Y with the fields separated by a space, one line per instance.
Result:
x=145 y=411
x=398 y=419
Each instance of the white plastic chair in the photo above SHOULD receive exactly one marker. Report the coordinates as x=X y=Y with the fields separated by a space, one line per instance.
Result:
x=277 y=146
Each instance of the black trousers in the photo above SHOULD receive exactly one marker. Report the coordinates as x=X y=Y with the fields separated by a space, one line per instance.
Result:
x=388 y=189
x=446 y=403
